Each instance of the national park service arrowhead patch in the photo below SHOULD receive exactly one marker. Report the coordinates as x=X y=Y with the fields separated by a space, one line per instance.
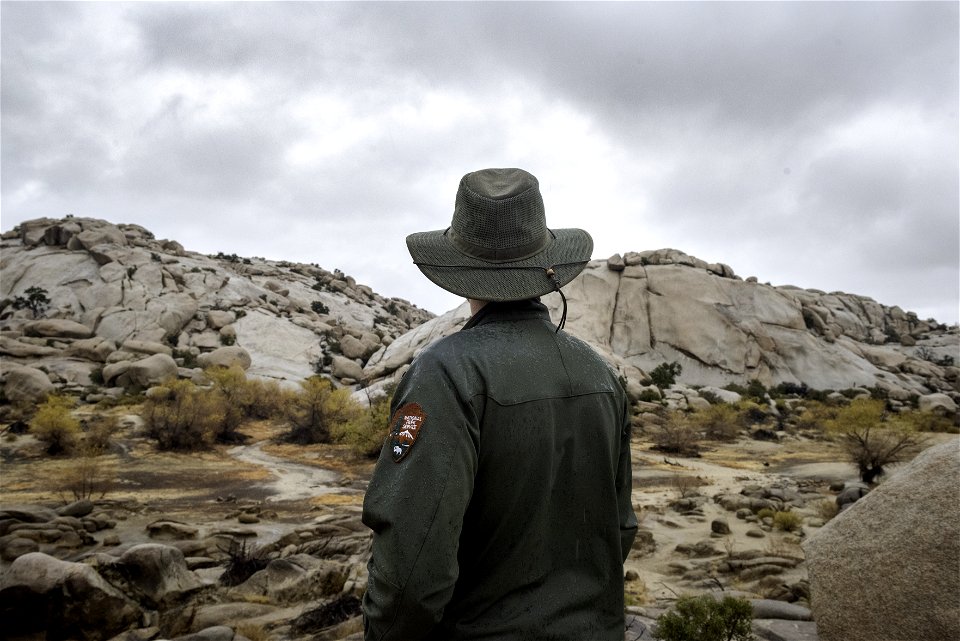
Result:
x=405 y=427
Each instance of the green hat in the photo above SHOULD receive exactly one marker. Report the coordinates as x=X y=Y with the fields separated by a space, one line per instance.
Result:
x=498 y=247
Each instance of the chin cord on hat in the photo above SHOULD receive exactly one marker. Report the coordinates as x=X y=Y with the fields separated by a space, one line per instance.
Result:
x=556 y=285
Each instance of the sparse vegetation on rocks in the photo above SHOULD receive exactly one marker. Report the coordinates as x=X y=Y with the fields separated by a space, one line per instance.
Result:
x=703 y=618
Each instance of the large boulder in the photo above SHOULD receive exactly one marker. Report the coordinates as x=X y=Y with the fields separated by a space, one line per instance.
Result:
x=156 y=575
x=939 y=403
x=343 y=367
x=295 y=578
x=231 y=356
x=57 y=328
x=40 y=594
x=888 y=567
x=152 y=370
x=25 y=384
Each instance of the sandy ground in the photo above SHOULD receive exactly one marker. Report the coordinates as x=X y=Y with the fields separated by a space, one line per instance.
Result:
x=298 y=483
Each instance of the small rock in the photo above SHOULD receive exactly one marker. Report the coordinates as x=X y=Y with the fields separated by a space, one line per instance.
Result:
x=719 y=526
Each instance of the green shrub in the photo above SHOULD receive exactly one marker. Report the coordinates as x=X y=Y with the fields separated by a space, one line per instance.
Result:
x=319 y=307
x=366 y=434
x=703 y=618
x=873 y=437
x=665 y=374
x=719 y=422
x=181 y=416
x=765 y=513
x=54 y=425
x=267 y=399
x=231 y=390
x=317 y=408
x=649 y=396
x=787 y=521
x=756 y=390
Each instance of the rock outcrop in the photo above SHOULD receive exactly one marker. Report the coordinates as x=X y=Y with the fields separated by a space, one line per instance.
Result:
x=888 y=567
x=127 y=310
x=662 y=306
x=119 y=296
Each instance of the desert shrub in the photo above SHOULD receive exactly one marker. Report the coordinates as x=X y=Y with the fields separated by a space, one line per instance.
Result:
x=814 y=415
x=826 y=509
x=685 y=485
x=752 y=413
x=765 y=512
x=931 y=422
x=665 y=374
x=787 y=388
x=242 y=562
x=756 y=390
x=873 y=438
x=649 y=396
x=319 y=307
x=703 y=618
x=366 y=433
x=787 y=521
x=719 y=422
x=267 y=399
x=181 y=416
x=231 y=389
x=87 y=475
x=317 y=408
x=98 y=430
x=54 y=426
x=677 y=435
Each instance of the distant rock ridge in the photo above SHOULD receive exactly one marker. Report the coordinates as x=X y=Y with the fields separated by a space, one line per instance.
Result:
x=645 y=308
x=127 y=310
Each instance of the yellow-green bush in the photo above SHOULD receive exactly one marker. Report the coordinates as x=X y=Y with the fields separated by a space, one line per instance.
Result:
x=54 y=425
x=678 y=435
x=873 y=437
x=267 y=399
x=787 y=521
x=233 y=391
x=317 y=408
x=181 y=416
x=720 y=422
x=367 y=432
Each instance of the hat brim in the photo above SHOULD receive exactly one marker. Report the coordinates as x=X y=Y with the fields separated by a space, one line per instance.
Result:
x=567 y=252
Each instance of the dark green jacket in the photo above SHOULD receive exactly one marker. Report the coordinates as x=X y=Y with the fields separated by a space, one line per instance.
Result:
x=509 y=515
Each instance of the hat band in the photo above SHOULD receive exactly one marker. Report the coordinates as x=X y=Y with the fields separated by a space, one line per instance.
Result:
x=500 y=255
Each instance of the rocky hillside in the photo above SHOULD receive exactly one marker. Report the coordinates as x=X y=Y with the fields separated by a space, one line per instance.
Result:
x=647 y=308
x=126 y=310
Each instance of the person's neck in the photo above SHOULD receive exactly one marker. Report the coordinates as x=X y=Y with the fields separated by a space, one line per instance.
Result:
x=476 y=305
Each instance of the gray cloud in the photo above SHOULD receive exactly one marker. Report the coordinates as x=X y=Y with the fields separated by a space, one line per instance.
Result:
x=810 y=143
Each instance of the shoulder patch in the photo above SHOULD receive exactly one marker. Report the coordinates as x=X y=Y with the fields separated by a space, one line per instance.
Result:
x=405 y=427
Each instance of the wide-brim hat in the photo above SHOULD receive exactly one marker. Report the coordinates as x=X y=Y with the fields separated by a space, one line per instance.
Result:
x=498 y=246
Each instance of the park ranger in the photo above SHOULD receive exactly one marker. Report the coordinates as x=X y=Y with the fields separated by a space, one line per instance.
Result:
x=500 y=506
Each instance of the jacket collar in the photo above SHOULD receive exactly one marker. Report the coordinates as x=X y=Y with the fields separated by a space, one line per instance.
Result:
x=511 y=310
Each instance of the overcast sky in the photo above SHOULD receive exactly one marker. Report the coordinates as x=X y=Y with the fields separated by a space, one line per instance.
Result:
x=812 y=144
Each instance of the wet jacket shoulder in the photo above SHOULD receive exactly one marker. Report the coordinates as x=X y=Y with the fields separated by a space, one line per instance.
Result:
x=508 y=515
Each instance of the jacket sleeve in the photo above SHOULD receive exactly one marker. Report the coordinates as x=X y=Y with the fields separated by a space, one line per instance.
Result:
x=628 y=519
x=415 y=507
